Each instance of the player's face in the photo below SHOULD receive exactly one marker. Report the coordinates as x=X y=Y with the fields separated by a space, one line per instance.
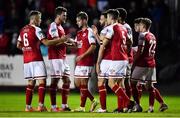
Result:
x=141 y=27
x=79 y=22
x=136 y=27
x=37 y=20
x=63 y=17
x=102 y=20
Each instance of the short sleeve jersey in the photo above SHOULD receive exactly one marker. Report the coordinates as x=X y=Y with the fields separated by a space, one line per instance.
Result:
x=148 y=41
x=130 y=35
x=107 y=52
x=117 y=34
x=56 y=52
x=30 y=37
x=84 y=40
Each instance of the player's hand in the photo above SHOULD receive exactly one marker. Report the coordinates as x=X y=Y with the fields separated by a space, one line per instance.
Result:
x=98 y=68
x=78 y=58
x=95 y=30
x=64 y=38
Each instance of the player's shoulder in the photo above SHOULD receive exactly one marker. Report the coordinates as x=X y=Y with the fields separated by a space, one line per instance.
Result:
x=89 y=30
x=127 y=26
x=52 y=25
x=36 y=28
x=27 y=28
x=150 y=35
x=142 y=34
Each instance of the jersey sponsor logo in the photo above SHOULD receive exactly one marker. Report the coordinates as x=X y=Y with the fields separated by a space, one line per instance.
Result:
x=84 y=72
x=84 y=34
x=53 y=31
x=40 y=33
x=79 y=44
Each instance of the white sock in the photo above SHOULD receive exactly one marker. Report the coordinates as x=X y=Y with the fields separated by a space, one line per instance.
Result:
x=53 y=106
x=64 y=106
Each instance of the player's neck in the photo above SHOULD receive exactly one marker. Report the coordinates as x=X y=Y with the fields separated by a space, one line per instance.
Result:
x=114 y=21
x=84 y=27
x=58 y=22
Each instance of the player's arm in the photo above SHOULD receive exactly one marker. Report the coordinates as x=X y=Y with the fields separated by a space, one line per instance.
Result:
x=95 y=31
x=102 y=48
x=71 y=43
x=141 y=44
x=90 y=50
x=129 y=42
x=54 y=42
x=19 y=45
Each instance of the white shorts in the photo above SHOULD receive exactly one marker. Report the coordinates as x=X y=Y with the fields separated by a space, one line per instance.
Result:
x=35 y=70
x=83 y=71
x=104 y=67
x=118 y=69
x=144 y=74
x=59 y=68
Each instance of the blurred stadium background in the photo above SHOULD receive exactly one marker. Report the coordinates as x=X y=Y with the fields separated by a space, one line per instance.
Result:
x=165 y=15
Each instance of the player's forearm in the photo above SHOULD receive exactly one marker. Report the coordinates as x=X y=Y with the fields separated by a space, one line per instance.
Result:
x=50 y=42
x=138 y=54
x=90 y=50
x=19 y=45
x=100 y=54
x=98 y=38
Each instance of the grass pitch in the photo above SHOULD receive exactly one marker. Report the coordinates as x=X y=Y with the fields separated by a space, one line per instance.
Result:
x=13 y=104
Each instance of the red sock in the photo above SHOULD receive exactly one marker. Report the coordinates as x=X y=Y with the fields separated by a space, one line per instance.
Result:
x=41 y=92
x=151 y=96
x=121 y=103
x=158 y=96
x=29 y=94
x=120 y=93
x=102 y=96
x=89 y=95
x=139 y=88
x=65 y=93
x=52 y=92
x=128 y=90
x=83 y=93
x=135 y=94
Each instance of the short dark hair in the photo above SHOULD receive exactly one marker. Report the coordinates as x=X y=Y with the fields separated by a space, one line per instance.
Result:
x=59 y=10
x=138 y=20
x=147 y=22
x=82 y=15
x=114 y=13
x=34 y=13
x=122 y=13
x=104 y=14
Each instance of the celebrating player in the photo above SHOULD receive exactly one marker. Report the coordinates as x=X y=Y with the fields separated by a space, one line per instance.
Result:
x=34 y=68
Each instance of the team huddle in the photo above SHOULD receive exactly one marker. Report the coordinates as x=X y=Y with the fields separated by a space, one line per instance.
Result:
x=127 y=70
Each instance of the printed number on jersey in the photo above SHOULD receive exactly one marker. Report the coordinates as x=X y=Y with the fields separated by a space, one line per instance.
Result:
x=152 y=47
x=25 y=39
